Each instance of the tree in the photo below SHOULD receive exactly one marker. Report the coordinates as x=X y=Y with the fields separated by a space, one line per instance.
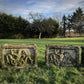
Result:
x=77 y=20
x=64 y=25
x=69 y=24
x=51 y=27
x=6 y=25
x=42 y=25
x=37 y=23
x=21 y=25
x=11 y=27
x=17 y=27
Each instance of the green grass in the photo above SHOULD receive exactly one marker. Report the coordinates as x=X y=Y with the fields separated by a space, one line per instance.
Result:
x=43 y=74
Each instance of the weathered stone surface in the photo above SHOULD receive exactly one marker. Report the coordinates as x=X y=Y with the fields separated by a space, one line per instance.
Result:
x=82 y=55
x=62 y=55
x=19 y=55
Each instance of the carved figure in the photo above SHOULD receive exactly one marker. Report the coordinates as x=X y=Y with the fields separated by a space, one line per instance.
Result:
x=57 y=57
x=22 y=55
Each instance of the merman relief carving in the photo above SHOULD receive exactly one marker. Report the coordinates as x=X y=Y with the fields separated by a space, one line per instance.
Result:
x=62 y=57
x=17 y=57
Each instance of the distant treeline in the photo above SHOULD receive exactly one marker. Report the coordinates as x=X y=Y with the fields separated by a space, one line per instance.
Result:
x=17 y=27
x=73 y=22
x=40 y=27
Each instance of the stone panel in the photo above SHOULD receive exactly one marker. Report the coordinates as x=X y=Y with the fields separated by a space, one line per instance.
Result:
x=62 y=55
x=82 y=55
x=19 y=55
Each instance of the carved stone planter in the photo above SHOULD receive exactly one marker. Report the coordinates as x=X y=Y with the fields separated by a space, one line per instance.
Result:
x=82 y=55
x=19 y=55
x=62 y=55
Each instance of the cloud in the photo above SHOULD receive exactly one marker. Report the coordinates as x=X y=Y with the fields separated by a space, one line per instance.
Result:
x=48 y=6
x=23 y=7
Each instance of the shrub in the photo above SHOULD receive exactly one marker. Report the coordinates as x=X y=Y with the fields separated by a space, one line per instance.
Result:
x=17 y=36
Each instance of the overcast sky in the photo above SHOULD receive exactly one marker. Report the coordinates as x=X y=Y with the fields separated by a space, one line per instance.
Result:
x=47 y=7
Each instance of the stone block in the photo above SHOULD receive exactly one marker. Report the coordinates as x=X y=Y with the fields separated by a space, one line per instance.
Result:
x=62 y=55
x=19 y=55
x=82 y=55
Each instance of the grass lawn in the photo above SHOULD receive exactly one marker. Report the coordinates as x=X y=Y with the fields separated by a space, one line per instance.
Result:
x=43 y=74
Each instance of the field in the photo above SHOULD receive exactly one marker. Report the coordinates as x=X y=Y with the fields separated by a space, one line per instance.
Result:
x=43 y=74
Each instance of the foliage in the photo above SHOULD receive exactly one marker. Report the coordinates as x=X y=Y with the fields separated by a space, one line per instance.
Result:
x=51 y=27
x=39 y=26
x=77 y=20
x=43 y=74
x=69 y=24
x=17 y=36
x=44 y=26
x=11 y=26
x=73 y=22
x=64 y=25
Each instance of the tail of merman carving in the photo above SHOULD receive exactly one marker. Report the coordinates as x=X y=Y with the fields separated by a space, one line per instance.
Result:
x=28 y=53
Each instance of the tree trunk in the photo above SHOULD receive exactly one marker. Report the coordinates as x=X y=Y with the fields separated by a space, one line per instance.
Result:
x=40 y=35
x=69 y=33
